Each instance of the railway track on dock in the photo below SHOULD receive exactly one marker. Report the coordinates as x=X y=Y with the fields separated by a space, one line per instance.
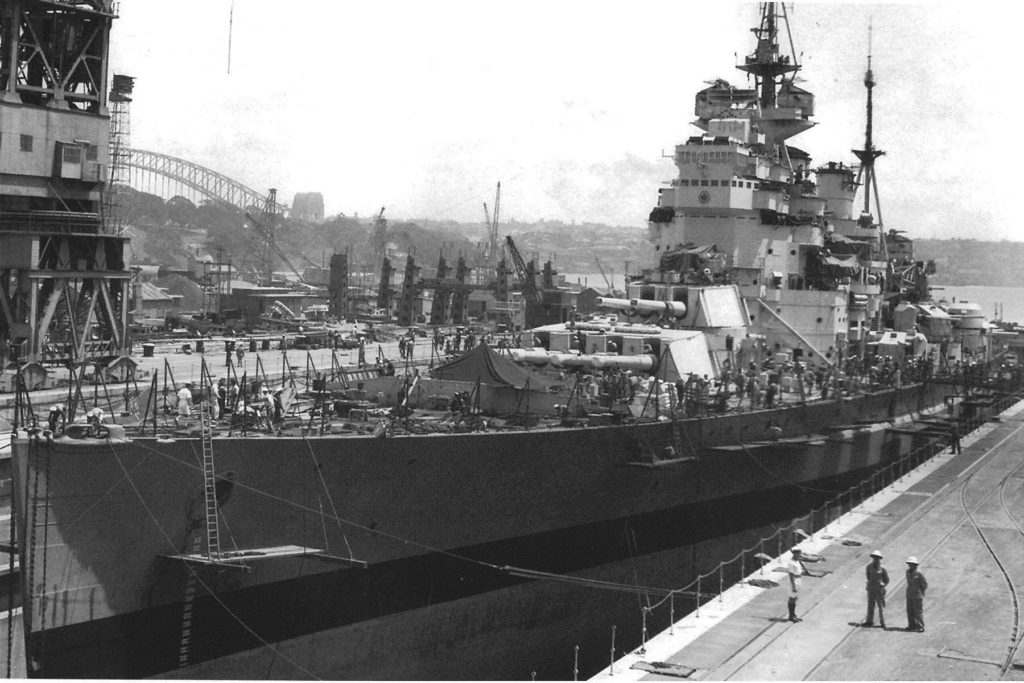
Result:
x=992 y=499
x=991 y=546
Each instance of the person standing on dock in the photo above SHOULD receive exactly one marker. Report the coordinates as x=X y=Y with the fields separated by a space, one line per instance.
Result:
x=185 y=400
x=916 y=586
x=954 y=438
x=795 y=569
x=222 y=396
x=878 y=579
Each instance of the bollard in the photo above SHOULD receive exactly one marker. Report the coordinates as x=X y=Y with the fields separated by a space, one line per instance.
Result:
x=576 y=664
x=611 y=668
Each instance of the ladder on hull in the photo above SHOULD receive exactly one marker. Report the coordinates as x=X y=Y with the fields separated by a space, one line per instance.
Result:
x=237 y=558
x=209 y=482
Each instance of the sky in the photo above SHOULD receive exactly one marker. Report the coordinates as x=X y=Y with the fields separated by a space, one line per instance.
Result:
x=422 y=107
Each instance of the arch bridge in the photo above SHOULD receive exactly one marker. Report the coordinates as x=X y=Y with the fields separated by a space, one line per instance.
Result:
x=167 y=176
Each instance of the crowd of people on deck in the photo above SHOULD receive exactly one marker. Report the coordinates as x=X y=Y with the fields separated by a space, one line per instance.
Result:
x=258 y=406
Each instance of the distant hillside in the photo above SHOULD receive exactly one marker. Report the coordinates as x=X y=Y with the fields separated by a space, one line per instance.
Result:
x=973 y=262
x=166 y=232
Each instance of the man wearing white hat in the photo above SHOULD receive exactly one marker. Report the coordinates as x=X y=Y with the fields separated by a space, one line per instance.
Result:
x=795 y=569
x=877 y=580
x=916 y=586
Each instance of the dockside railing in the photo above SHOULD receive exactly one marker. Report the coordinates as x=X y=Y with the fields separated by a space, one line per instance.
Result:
x=712 y=584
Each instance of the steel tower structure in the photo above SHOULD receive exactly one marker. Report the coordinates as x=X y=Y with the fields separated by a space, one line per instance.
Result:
x=64 y=283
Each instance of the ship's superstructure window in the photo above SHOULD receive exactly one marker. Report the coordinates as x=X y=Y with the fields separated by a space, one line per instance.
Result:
x=91 y=152
x=26 y=143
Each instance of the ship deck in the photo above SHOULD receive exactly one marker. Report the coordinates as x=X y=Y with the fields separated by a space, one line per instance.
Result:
x=961 y=515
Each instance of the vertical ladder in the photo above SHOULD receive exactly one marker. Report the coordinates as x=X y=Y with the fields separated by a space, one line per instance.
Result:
x=185 y=647
x=209 y=481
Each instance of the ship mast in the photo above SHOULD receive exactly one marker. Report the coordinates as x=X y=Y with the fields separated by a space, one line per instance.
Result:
x=868 y=155
x=783 y=110
x=767 y=64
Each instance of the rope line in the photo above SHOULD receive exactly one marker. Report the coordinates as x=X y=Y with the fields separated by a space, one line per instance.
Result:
x=341 y=520
x=199 y=579
x=330 y=499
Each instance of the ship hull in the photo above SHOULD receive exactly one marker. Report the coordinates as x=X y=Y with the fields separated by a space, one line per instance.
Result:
x=438 y=520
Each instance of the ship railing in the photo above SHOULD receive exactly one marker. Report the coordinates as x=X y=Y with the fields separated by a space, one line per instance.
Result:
x=712 y=583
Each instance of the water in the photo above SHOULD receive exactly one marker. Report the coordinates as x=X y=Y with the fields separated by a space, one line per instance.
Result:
x=1011 y=299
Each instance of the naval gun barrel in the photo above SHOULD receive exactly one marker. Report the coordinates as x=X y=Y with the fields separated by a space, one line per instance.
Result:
x=676 y=309
x=609 y=302
x=642 y=362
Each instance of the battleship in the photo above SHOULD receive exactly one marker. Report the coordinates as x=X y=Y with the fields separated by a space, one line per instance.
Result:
x=491 y=516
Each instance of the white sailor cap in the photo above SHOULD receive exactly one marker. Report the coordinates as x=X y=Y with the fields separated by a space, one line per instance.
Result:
x=876 y=553
x=911 y=560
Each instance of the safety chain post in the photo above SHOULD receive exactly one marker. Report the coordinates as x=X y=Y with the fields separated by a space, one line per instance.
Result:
x=721 y=582
x=762 y=553
x=576 y=663
x=643 y=632
x=698 y=595
x=672 y=613
x=533 y=675
x=743 y=564
x=611 y=668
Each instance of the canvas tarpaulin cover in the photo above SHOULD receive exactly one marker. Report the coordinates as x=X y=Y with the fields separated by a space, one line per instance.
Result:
x=487 y=366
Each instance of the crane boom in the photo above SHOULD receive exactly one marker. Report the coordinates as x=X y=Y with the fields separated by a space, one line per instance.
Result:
x=530 y=290
x=601 y=270
x=494 y=228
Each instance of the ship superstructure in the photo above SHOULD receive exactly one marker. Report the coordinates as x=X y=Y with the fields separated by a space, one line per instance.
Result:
x=469 y=542
x=749 y=209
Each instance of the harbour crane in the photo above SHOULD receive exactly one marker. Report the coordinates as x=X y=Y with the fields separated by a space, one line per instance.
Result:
x=265 y=225
x=600 y=269
x=379 y=239
x=493 y=263
x=530 y=291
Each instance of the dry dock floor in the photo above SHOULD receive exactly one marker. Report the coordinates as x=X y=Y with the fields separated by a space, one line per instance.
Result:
x=961 y=515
